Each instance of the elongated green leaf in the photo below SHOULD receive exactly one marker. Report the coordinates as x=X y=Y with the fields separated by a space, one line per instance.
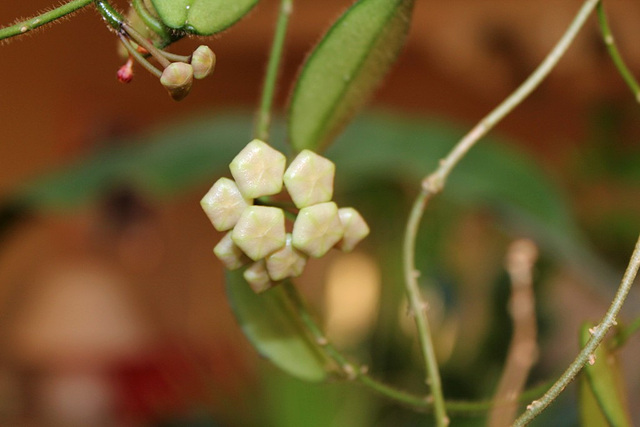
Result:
x=202 y=17
x=268 y=321
x=345 y=68
x=590 y=413
x=606 y=385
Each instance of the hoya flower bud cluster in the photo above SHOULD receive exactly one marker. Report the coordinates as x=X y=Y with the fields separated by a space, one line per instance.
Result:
x=257 y=233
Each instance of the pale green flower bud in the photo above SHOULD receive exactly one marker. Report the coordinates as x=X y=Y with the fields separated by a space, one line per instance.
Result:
x=355 y=228
x=258 y=170
x=287 y=262
x=203 y=62
x=257 y=277
x=309 y=179
x=224 y=204
x=177 y=78
x=316 y=229
x=260 y=231
x=229 y=253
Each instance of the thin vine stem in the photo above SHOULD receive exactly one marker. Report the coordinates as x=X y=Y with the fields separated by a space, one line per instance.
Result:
x=614 y=53
x=419 y=309
x=34 y=22
x=263 y=121
x=598 y=335
x=434 y=183
x=110 y=15
x=359 y=373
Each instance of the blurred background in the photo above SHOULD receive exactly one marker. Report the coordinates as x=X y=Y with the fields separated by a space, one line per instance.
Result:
x=112 y=306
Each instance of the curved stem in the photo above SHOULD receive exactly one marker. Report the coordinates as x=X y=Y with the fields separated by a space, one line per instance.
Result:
x=139 y=57
x=32 y=23
x=434 y=183
x=359 y=373
x=263 y=121
x=609 y=41
x=599 y=332
x=419 y=307
x=112 y=16
x=142 y=41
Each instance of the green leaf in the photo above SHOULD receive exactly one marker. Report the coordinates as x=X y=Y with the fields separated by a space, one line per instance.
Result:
x=202 y=17
x=345 y=68
x=604 y=381
x=179 y=158
x=493 y=175
x=269 y=322
x=161 y=163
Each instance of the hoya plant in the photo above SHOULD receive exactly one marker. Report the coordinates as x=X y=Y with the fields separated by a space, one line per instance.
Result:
x=275 y=207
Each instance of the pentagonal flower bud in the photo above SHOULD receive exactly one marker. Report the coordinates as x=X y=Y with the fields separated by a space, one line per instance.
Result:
x=257 y=277
x=355 y=228
x=203 y=61
x=258 y=170
x=260 y=231
x=224 y=204
x=309 y=179
x=287 y=262
x=177 y=78
x=316 y=229
x=229 y=253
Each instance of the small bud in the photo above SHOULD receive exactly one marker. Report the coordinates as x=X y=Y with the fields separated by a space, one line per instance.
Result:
x=287 y=262
x=177 y=78
x=260 y=231
x=355 y=228
x=317 y=228
x=309 y=179
x=203 y=62
x=125 y=73
x=258 y=170
x=229 y=253
x=257 y=277
x=224 y=204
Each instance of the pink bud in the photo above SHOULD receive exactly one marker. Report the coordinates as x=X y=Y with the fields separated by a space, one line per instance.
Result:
x=125 y=73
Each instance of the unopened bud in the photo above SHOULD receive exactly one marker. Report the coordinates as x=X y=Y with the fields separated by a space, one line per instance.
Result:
x=260 y=231
x=257 y=277
x=177 y=78
x=125 y=73
x=355 y=228
x=203 y=62
x=316 y=229
x=231 y=255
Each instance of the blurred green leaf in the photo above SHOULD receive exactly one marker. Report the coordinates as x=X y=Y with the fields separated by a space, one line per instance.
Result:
x=590 y=413
x=269 y=322
x=202 y=17
x=290 y=402
x=604 y=380
x=177 y=158
x=345 y=68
